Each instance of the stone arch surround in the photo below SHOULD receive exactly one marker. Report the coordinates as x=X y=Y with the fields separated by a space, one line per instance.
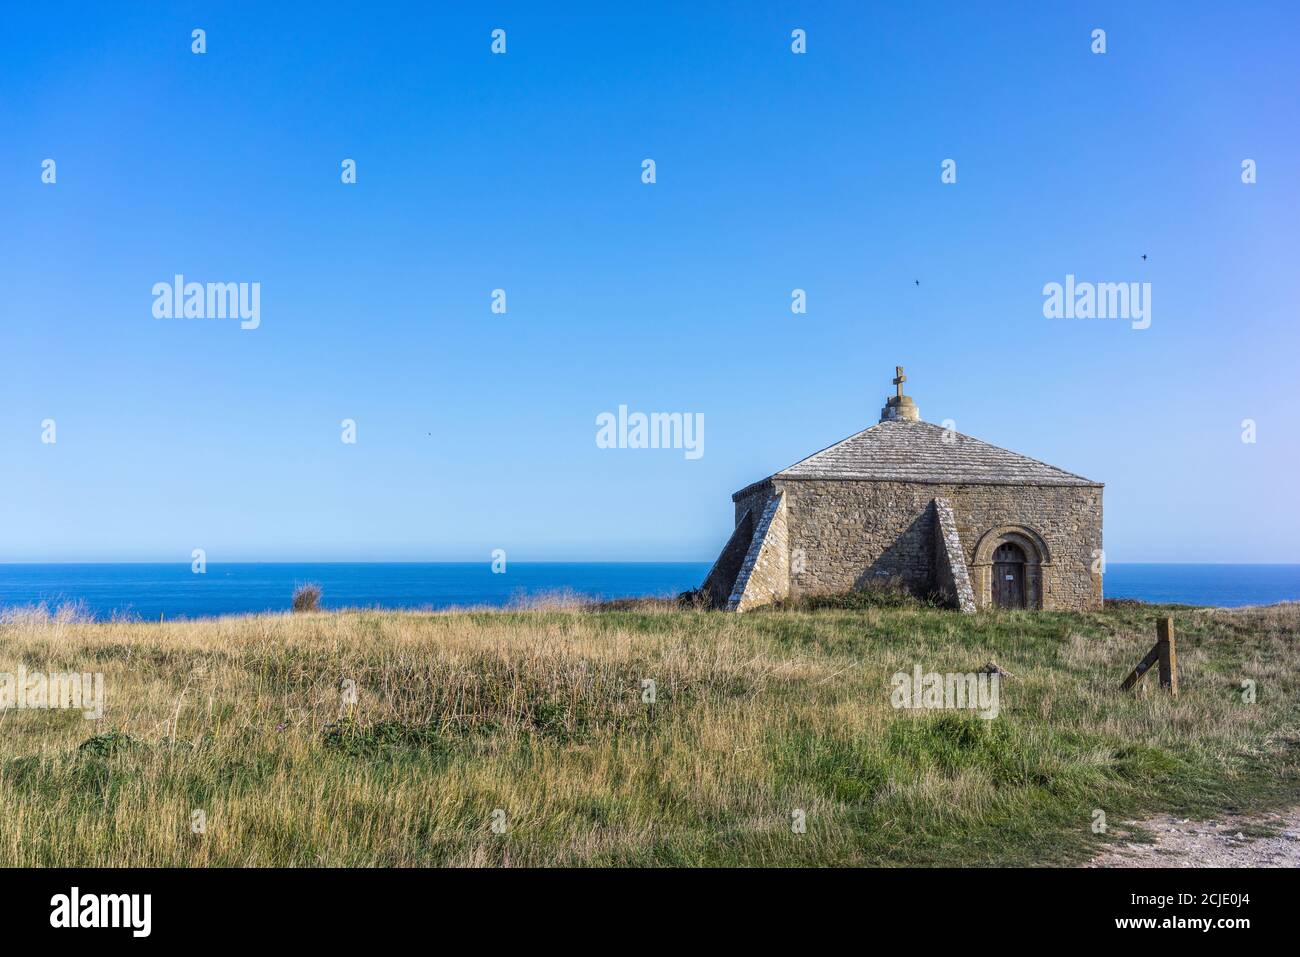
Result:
x=1038 y=563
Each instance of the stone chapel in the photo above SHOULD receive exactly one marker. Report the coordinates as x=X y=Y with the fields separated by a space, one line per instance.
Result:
x=918 y=504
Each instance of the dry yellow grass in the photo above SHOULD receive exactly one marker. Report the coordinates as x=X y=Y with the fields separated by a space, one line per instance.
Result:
x=540 y=714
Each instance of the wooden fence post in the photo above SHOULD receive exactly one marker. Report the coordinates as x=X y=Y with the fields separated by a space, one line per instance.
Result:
x=1168 y=655
x=1161 y=652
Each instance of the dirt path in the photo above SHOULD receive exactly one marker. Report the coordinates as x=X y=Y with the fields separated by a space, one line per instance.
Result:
x=1225 y=842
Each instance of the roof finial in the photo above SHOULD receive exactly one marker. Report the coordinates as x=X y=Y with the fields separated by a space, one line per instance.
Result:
x=900 y=407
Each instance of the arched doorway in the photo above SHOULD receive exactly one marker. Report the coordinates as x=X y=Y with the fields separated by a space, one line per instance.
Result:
x=1009 y=576
x=1027 y=560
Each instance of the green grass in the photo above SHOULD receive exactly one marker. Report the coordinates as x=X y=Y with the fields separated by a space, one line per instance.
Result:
x=540 y=714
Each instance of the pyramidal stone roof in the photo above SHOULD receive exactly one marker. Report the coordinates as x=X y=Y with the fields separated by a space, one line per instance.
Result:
x=907 y=450
x=902 y=448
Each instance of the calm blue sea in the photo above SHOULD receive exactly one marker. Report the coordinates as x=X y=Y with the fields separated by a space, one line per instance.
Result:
x=173 y=590
x=150 y=590
x=1226 y=586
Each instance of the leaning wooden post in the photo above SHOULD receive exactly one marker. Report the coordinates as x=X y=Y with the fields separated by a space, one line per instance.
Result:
x=1161 y=652
x=1140 y=672
x=1168 y=655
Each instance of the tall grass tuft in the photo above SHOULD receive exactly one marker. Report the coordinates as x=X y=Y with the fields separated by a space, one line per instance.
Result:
x=306 y=597
x=66 y=612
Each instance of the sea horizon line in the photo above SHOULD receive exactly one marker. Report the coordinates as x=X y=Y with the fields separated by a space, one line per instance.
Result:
x=488 y=561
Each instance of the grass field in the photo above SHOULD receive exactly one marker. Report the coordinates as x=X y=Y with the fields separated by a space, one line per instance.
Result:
x=540 y=714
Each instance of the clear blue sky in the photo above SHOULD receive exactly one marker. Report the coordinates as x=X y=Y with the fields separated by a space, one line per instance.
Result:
x=523 y=172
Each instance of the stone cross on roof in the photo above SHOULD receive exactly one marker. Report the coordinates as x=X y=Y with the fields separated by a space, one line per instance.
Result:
x=900 y=407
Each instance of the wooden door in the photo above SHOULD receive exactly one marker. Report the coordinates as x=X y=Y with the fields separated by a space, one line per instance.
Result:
x=1008 y=577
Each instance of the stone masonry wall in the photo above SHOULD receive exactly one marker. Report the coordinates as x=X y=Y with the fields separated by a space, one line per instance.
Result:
x=951 y=572
x=754 y=500
x=721 y=579
x=844 y=534
x=1067 y=517
x=764 y=576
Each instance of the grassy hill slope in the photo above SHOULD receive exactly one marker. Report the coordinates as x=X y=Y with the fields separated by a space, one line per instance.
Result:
x=540 y=715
